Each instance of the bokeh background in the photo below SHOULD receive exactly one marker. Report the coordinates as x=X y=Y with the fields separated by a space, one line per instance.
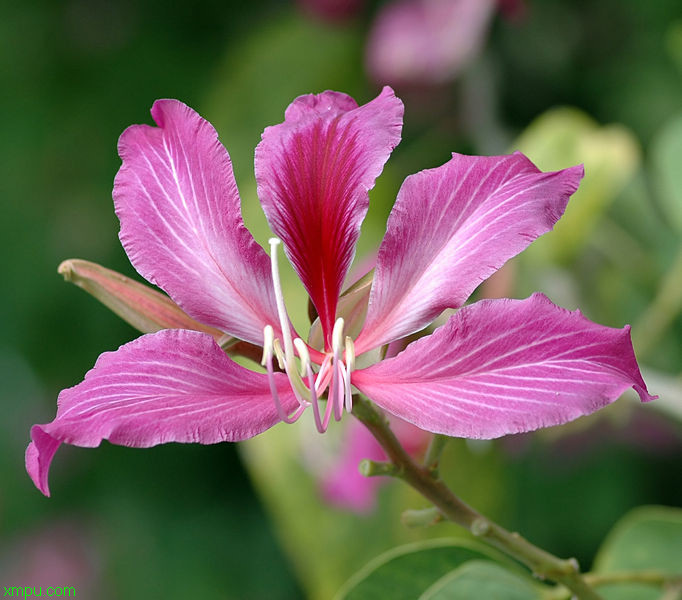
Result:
x=566 y=81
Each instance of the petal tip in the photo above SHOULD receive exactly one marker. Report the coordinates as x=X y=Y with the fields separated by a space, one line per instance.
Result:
x=164 y=107
x=39 y=455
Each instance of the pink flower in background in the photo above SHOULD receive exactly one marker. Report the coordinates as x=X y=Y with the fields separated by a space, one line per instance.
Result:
x=426 y=41
x=341 y=483
x=421 y=42
x=496 y=366
x=332 y=10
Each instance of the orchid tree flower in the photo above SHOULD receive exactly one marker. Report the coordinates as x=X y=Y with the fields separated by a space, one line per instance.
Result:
x=496 y=367
x=426 y=41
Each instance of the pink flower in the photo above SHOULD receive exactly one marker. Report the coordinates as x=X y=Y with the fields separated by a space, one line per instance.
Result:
x=341 y=483
x=426 y=41
x=496 y=367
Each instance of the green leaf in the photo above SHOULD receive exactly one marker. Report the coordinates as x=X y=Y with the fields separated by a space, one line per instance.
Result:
x=666 y=150
x=563 y=137
x=408 y=571
x=647 y=539
x=482 y=579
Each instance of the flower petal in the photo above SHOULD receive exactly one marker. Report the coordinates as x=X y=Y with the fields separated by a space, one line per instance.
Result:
x=181 y=223
x=171 y=386
x=505 y=366
x=314 y=171
x=452 y=227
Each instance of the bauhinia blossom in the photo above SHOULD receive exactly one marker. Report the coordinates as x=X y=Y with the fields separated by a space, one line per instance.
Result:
x=496 y=367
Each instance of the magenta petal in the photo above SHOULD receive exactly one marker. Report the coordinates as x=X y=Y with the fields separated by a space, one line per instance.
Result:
x=171 y=386
x=181 y=223
x=452 y=227
x=314 y=171
x=505 y=366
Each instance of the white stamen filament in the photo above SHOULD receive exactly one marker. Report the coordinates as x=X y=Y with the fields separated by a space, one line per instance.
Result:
x=289 y=367
x=337 y=390
x=322 y=380
x=279 y=298
x=350 y=366
x=304 y=355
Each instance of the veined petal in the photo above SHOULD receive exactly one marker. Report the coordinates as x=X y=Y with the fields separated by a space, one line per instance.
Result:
x=505 y=366
x=452 y=227
x=181 y=223
x=171 y=386
x=314 y=171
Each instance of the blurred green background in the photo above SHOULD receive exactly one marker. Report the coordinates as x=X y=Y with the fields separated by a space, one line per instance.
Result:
x=565 y=81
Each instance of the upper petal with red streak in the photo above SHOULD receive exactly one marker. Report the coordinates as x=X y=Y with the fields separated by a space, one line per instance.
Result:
x=314 y=171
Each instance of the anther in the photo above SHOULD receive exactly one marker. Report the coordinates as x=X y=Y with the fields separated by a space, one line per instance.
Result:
x=350 y=354
x=268 y=344
x=279 y=354
x=337 y=338
x=304 y=355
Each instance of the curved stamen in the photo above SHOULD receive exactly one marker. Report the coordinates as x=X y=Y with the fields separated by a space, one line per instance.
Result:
x=324 y=375
x=340 y=392
x=289 y=367
x=268 y=354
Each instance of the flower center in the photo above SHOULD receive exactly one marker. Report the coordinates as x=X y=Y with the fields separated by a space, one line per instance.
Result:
x=306 y=383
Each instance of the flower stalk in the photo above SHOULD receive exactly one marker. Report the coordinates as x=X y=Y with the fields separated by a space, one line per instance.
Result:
x=543 y=564
x=434 y=452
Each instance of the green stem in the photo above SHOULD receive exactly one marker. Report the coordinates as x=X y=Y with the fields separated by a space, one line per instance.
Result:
x=434 y=451
x=421 y=478
x=671 y=583
x=425 y=517
x=646 y=577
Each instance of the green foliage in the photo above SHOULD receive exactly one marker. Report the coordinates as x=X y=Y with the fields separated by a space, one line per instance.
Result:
x=477 y=579
x=666 y=153
x=563 y=137
x=645 y=546
x=646 y=539
x=415 y=571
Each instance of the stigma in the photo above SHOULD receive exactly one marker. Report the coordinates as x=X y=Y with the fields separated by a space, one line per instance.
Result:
x=308 y=381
